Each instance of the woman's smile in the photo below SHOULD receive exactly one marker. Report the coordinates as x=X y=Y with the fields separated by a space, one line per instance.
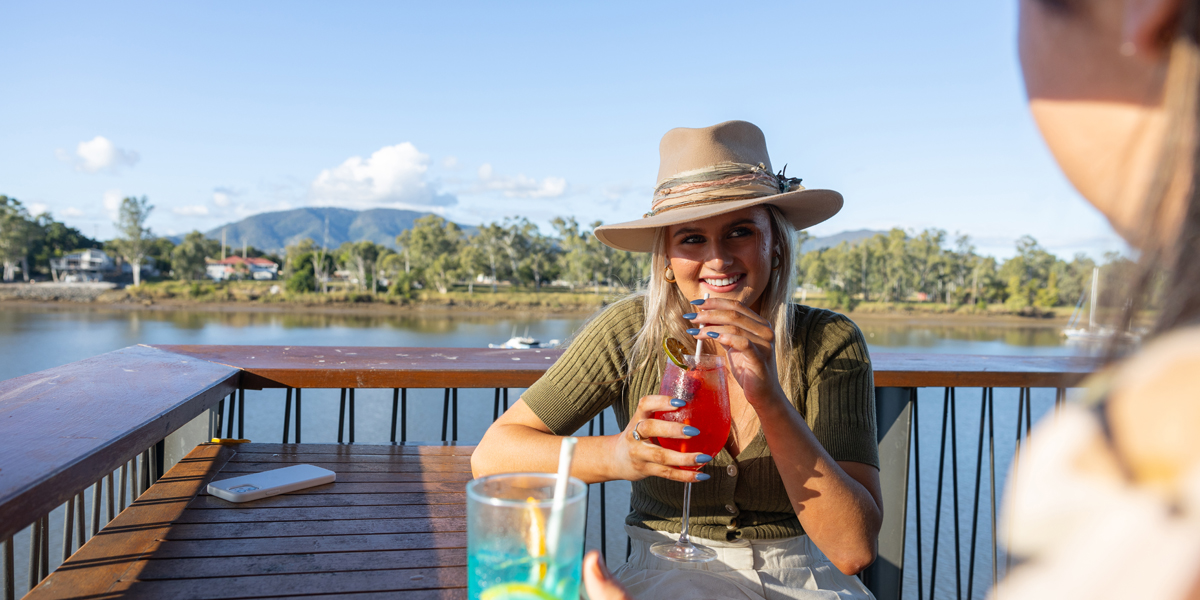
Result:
x=723 y=284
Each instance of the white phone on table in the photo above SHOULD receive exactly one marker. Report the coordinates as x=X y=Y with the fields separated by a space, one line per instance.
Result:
x=245 y=488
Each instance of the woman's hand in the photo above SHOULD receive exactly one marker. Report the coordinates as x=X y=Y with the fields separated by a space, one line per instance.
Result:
x=599 y=582
x=749 y=342
x=634 y=460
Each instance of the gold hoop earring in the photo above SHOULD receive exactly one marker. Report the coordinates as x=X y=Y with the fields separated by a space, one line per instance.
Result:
x=669 y=275
x=775 y=263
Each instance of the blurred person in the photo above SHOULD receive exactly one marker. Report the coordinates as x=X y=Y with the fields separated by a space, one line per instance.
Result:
x=1106 y=503
x=791 y=503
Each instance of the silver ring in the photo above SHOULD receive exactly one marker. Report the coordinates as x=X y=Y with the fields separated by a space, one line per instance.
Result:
x=637 y=436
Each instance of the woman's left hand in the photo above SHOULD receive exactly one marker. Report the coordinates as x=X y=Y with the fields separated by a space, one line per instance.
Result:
x=749 y=341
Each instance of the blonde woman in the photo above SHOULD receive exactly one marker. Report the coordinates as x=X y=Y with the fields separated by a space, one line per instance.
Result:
x=792 y=503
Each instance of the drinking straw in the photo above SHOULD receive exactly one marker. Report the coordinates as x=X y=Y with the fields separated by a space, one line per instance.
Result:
x=554 y=528
x=699 y=342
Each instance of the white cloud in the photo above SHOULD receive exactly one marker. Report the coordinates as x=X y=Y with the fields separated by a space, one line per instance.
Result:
x=519 y=186
x=112 y=202
x=223 y=196
x=450 y=163
x=99 y=154
x=392 y=176
x=72 y=212
x=37 y=208
x=194 y=210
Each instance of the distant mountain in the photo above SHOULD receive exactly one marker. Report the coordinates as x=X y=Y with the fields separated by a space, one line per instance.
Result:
x=273 y=231
x=830 y=241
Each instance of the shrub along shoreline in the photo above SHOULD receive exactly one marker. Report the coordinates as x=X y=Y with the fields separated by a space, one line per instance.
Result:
x=271 y=296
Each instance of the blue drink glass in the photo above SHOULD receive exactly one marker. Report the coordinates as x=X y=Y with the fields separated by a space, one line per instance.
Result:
x=507 y=553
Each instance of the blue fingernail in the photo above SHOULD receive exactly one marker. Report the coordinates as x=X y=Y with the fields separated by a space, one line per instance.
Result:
x=677 y=403
x=693 y=331
x=690 y=431
x=698 y=302
x=690 y=316
x=703 y=458
x=712 y=334
x=702 y=476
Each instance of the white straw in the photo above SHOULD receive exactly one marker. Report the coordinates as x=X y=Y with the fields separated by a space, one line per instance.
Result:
x=554 y=528
x=699 y=342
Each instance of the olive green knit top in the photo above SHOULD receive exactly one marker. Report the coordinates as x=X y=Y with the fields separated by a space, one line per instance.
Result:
x=745 y=498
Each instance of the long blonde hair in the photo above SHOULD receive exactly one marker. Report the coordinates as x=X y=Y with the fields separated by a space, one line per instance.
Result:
x=665 y=304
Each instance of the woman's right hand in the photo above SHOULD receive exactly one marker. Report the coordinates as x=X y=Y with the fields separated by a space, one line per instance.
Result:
x=634 y=460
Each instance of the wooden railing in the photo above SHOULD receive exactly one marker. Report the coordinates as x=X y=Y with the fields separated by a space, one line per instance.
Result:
x=68 y=429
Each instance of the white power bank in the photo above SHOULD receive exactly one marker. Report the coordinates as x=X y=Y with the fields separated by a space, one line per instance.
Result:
x=270 y=483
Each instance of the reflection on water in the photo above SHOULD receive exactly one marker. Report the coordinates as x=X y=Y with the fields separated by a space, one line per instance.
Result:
x=968 y=338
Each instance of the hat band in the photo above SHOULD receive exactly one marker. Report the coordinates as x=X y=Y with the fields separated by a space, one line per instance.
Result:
x=723 y=182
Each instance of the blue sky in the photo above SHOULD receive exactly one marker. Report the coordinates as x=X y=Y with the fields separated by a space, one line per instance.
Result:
x=914 y=110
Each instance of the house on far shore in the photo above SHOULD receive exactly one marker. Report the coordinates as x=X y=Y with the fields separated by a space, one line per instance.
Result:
x=83 y=266
x=236 y=267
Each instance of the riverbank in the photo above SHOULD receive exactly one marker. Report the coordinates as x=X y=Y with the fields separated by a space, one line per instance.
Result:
x=269 y=297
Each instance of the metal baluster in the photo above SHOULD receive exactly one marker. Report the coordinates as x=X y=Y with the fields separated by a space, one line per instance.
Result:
x=404 y=415
x=10 y=583
x=395 y=410
x=916 y=440
x=351 y=415
x=603 y=511
x=992 y=468
x=1028 y=413
x=496 y=407
x=97 y=492
x=1016 y=463
x=146 y=471
x=35 y=552
x=298 y=390
x=220 y=416
x=287 y=414
x=110 y=509
x=241 y=413
x=136 y=484
x=954 y=482
x=1060 y=398
x=342 y=415
x=454 y=425
x=68 y=524
x=445 y=412
x=44 y=564
x=160 y=459
x=587 y=501
x=124 y=484
x=80 y=520
x=229 y=416
x=505 y=399
x=978 y=479
x=937 y=512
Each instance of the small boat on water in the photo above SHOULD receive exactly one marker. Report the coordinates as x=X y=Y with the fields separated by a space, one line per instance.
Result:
x=1093 y=334
x=524 y=343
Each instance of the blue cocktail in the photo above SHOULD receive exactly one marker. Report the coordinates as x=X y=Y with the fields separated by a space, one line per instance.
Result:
x=508 y=554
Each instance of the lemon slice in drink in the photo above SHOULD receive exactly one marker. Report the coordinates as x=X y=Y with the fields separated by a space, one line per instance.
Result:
x=535 y=538
x=676 y=351
x=515 y=591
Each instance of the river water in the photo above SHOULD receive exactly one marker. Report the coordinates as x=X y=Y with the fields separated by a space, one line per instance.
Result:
x=32 y=339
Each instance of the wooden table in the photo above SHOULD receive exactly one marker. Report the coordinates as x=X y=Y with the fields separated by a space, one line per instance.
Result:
x=393 y=525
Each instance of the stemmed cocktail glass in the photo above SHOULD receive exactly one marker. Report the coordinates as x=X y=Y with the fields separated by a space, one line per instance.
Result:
x=701 y=384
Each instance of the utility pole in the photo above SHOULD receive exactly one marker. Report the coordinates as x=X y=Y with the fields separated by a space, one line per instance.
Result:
x=223 y=242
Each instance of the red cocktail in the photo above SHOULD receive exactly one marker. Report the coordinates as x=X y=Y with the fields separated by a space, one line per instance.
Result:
x=703 y=388
x=702 y=385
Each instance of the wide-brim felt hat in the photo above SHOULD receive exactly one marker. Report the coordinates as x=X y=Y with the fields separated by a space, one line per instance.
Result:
x=709 y=171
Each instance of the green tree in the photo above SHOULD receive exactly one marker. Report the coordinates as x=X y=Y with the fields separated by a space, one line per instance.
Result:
x=433 y=244
x=17 y=232
x=188 y=258
x=133 y=237
x=576 y=261
x=360 y=259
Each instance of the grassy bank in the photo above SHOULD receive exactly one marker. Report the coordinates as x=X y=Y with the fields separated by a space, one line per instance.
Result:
x=271 y=294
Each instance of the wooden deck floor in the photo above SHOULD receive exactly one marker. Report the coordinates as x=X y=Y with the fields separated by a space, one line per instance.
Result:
x=394 y=525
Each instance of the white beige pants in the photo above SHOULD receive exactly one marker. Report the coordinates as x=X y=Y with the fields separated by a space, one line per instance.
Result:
x=744 y=569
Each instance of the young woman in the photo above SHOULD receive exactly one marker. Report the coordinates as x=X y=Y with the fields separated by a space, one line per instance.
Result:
x=1107 y=502
x=792 y=503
